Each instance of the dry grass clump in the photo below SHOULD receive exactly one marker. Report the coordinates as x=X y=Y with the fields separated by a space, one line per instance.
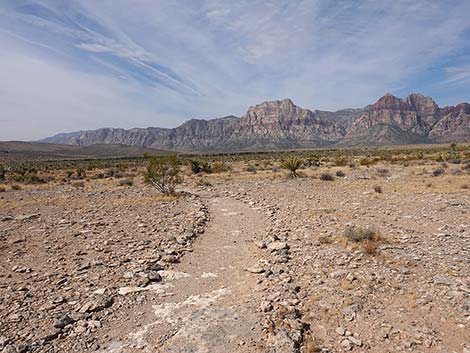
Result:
x=367 y=238
x=383 y=172
x=126 y=182
x=340 y=174
x=220 y=167
x=325 y=239
x=378 y=189
x=341 y=161
x=78 y=184
x=326 y=177
x=202 y=182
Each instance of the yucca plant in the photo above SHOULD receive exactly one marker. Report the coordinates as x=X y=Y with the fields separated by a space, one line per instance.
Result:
x=195 y=166
x=292 y=164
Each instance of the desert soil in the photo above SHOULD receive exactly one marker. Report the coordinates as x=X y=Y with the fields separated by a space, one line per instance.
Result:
x=244 y=263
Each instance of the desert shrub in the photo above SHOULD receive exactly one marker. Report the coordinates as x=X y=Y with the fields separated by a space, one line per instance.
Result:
x=454 y=161
x=68 y=174
x=341 y=161
x=358 y=234
x=378 y=189
x=2 y=189
x=455 y=172
x=383 y=172
x=438 y=171
x=163 y=173
x=126 y=182
x=340 y=174
x=369 y=246
x=80 y=173
x=292 y=164
x=15 y=187
x=325 y=239
x=466 y=166
x=220 y=167
x=353 y=165
x=206 y=167
x=312 y=160
x=365 y=162
x=465 y=186
x=195 y=166
x=3 y=171
x=250 y=168
x=326 y=177
x=118 y=174
x=78 y=184
x=203 y=182
x=32 y=178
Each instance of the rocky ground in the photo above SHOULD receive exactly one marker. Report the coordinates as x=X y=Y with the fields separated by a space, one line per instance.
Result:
x=245 y=262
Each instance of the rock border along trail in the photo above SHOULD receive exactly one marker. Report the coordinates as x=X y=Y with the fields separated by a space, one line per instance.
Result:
x=210 y=301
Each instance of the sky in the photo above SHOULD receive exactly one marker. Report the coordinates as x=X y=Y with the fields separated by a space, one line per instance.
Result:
x=68 y=65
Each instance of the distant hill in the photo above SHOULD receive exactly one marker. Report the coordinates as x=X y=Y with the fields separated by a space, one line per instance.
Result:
x=283 y=125
x=17 y=150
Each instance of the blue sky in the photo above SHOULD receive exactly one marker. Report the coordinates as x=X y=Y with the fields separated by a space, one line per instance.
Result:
x=82 y=64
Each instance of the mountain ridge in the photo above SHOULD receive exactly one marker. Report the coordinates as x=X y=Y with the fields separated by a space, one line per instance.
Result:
x=281 y=124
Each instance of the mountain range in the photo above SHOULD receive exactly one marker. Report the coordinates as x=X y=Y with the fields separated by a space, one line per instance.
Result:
x=283 y=125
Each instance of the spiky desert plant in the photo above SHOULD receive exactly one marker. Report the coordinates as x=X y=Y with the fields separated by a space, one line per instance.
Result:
x=292 y=164
x=163 y=173
x=195 y=166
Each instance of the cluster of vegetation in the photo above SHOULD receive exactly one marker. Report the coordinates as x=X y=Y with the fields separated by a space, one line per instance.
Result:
x=203 y=166
x=25 y=173
x=292 y=164
x=163 y=173
x=368 y=238
x=326 y=177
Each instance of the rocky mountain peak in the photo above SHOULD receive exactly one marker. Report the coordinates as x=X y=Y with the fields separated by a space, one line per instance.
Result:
x=274 y=111
x=281 y=124
x=390 y=102
x=422 y=103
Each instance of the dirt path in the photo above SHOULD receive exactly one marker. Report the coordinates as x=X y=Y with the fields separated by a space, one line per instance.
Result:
x=208 y=303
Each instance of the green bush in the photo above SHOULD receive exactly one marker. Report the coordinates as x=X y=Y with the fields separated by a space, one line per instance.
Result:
x=163 y=173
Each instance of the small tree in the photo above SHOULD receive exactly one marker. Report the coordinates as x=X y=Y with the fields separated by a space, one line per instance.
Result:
x=292 y=164
x=163 y=173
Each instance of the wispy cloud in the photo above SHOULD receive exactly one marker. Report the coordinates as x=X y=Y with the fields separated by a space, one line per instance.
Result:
x=458 y=75
x=144 y=62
